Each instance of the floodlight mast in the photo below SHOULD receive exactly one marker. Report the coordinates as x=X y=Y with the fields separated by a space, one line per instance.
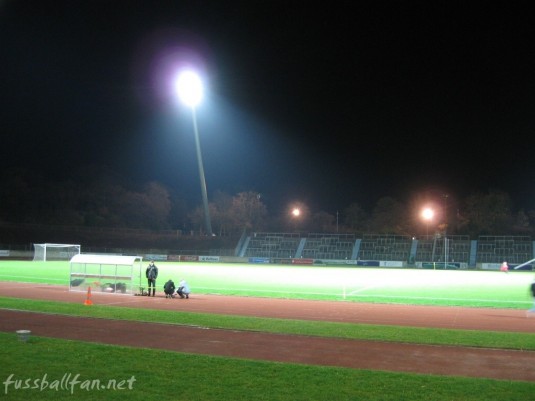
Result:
x=201 y=175
x=445 y=231
x=190 y=91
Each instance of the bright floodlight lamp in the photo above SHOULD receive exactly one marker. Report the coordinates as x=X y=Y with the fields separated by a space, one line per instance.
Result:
x=427 y=215
x=296 y=212
x=189 y=88
x=190 y=91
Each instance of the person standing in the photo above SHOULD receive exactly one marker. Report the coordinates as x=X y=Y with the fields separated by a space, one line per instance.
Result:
x=532 y=291
x=183 y=289
x=504 y=267
x=152 y=275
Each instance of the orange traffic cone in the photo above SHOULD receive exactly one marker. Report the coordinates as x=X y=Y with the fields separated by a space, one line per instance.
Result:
x=88 y=298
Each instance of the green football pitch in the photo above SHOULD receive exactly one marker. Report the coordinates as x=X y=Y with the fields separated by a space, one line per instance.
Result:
x=492 y=289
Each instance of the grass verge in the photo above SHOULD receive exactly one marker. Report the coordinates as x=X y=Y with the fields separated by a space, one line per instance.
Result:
x=505 y=340
x=48 y=367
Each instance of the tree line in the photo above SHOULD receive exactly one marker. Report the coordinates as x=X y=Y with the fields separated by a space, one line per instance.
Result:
x=103 y=200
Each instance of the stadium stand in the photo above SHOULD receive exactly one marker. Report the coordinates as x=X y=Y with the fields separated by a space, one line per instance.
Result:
x=496 y=249
x=273 y=245
x=431 y=249
x=329 y=246
x=385 y=247
x=16 y=242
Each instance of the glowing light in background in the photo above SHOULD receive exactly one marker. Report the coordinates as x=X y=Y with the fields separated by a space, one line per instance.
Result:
x=189 y=88
x=427 y=215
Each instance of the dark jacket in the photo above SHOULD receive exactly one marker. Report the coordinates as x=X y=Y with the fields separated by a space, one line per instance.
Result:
x=169 y=287
x=152 y=272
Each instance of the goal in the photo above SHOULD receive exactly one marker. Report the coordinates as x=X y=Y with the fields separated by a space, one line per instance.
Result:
x=44 y=252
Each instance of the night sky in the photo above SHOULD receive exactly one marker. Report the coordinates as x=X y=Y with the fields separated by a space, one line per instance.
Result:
x=330 y=104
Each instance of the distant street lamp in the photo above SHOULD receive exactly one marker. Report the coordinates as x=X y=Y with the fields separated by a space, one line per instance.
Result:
x=445 y=230
x=427 y=215
x=295 y=217
x=190 y=91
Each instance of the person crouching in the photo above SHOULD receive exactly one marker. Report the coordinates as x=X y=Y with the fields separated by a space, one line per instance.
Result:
x=169 y=289
x=183 y=290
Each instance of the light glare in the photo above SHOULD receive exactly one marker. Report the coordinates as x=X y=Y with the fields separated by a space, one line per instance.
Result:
x=428 y=214
x=189 y=88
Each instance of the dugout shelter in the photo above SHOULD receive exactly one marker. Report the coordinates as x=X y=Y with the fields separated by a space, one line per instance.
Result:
x=105 y=273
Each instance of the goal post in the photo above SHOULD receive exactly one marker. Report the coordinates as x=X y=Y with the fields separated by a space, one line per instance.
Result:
x=47 y=251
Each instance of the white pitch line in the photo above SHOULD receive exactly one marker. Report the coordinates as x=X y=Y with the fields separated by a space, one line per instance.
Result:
x=447 y=299
x=363 y=289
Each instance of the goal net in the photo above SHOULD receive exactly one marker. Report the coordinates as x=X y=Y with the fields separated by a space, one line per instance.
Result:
x=44 y=252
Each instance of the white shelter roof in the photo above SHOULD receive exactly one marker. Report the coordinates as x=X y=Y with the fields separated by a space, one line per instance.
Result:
x=105 y=259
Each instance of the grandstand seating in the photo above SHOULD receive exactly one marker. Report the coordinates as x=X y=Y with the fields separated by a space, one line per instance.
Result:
x=329 y=246
x=273 y=245
x=457 y=248
x=385 y=247
x=431 y=249
x=340 y=246
x=513 y=249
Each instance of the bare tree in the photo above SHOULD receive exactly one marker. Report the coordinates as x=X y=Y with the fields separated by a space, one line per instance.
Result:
x=248 y=210
x=355 y=218
x=389 y=217
x=489 y=214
